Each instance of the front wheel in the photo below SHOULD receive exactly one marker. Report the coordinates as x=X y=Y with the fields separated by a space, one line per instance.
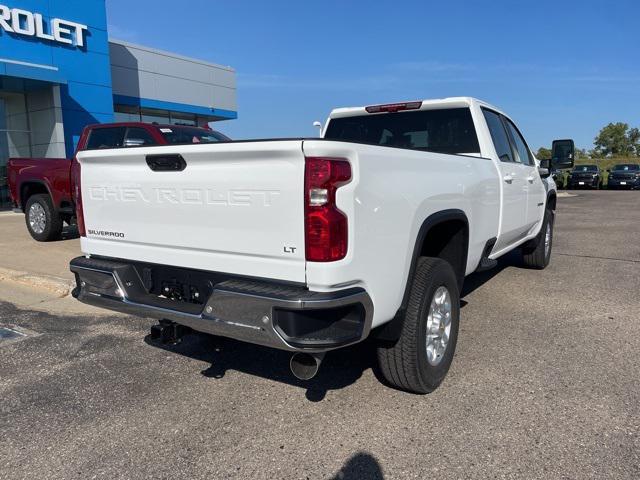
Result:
x=420 y=359
x=43 y=222
x=536 y=253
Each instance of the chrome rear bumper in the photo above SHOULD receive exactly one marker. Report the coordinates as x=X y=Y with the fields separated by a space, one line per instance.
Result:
x=255 y=311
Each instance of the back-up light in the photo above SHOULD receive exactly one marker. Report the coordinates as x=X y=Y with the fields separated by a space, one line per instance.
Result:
x=394 y=107
x=326 y=228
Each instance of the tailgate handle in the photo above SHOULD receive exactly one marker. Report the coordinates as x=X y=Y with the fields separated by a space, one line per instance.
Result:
x=166 y=163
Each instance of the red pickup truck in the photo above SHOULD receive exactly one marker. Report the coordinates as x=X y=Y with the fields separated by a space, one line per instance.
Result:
x=42 y=187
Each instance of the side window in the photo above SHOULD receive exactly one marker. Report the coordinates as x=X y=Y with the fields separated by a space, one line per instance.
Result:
x=112 y=137
x=499 y=136
x=521 y=147
x=138 y=137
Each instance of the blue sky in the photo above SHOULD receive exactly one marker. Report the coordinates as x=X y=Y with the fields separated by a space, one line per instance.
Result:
x=560 y=69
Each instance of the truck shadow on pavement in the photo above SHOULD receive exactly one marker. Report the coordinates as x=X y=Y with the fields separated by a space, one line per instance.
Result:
x=68 y=233
x=476 y=280
x=339 y=369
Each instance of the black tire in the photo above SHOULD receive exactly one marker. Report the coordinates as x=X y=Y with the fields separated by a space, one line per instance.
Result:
x=52 y=221
x=404 y=364
x=534 y=253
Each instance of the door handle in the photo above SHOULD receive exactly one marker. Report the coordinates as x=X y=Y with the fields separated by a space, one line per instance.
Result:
x=166 y=163
x=531 y=178
x=509 y=177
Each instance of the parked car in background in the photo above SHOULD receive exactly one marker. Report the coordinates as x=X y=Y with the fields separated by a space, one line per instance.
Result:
x=624 y=175
x=42 y=187
x=558 y=177
x=585 y=176
x=309 y=245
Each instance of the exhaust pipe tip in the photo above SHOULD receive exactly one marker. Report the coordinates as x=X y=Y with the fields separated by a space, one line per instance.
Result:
x=305 y=366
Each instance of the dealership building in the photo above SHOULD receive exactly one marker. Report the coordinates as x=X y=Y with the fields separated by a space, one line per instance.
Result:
x=59 y=72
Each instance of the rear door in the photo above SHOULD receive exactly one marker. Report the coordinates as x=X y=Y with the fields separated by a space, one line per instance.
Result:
x=536 y=193
x=513 y=177
x=232 y=207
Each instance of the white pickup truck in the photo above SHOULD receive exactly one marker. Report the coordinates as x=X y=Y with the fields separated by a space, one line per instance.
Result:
x=310 y=245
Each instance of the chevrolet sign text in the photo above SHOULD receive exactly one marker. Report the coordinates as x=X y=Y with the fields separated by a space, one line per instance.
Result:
x=29 y=24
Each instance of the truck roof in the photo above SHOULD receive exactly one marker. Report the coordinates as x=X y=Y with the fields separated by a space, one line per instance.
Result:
x=427 y=104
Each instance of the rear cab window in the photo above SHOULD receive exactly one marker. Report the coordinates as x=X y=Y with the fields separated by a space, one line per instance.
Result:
x=189 y=135
x=106 y=137
x=138 y=137
x=447 y=130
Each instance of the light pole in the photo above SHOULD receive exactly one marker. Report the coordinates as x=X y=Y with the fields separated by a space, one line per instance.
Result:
x=318 y=125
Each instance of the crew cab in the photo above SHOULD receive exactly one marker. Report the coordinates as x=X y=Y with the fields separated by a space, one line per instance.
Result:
x=309 y=245
x=42 y=187
x=624 y=175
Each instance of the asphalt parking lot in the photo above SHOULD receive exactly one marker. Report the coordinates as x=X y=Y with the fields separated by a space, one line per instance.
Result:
x=545 y=384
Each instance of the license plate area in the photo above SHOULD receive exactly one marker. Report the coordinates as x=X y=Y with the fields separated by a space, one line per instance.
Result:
x=188 y=288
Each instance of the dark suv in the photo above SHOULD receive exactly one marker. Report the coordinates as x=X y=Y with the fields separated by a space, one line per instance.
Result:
x=585 y=176
x=625 y=175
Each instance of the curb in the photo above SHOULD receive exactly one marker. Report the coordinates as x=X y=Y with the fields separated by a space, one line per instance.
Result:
x=59 y=286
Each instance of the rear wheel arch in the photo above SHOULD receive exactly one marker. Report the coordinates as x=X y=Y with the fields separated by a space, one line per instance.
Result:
x=444 y=235
x=29 y=188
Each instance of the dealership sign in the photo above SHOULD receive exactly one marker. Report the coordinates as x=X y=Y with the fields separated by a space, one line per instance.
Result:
x=29 y=24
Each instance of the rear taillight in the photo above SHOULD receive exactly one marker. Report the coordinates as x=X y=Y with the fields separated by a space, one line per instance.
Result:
x=326 y=228
x=77 y=196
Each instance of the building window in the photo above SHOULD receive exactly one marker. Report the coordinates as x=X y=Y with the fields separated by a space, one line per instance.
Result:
x=125 y=113
x=150 y=115
x=183 y=119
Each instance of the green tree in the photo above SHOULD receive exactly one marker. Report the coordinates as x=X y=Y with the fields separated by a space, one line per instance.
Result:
x=617 y=139
x=543 y=153
x=593 y=153
x=634 y=138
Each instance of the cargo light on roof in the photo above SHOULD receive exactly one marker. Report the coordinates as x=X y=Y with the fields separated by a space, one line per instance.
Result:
x=29 y=24
x=394 y=107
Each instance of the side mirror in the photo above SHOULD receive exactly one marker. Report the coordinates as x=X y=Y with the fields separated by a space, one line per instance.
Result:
x=133 y=142
x=562 y=154
x=545 y=168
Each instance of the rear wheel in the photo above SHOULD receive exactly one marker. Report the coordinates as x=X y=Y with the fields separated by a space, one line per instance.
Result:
x=420 y=359
x=537 y=252
x=43 y=222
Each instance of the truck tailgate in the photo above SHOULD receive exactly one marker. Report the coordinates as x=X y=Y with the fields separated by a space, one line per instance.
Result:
x=235 y=207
